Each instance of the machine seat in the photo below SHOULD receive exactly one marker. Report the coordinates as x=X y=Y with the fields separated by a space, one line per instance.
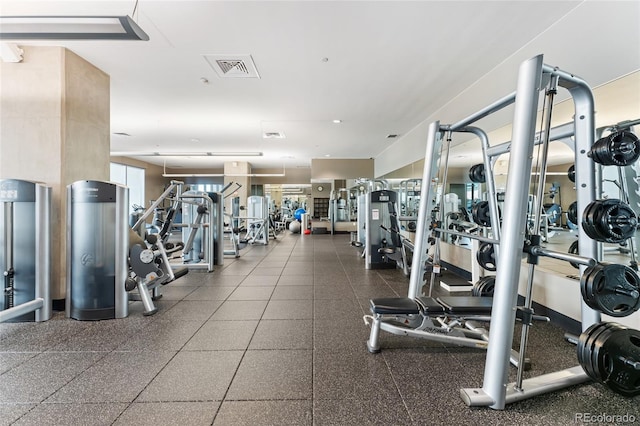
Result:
x=394 y=306
x=459 y=305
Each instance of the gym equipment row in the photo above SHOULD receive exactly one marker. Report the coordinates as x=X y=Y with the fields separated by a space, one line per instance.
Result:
x=25 y=250
x=380 y=239
x=533 y=76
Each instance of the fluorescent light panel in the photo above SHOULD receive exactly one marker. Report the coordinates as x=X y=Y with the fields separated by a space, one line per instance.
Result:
x=70 y=28
x=183 y=154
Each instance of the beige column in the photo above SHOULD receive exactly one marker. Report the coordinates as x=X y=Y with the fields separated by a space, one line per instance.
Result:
x=237 y=172
x=54 y=115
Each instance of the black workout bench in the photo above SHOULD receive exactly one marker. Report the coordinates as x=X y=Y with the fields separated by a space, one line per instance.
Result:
x=452 y=305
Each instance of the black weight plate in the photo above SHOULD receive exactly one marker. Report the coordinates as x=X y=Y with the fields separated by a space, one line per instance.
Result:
x=573 y=249
x=572 y=213
x=481 y=213
x=484 y=287
x=584 y=348
x=612 y=289
x=476 y=173
x=601 y=355
x=609 y=221
x=486 y=256
x=571 y=173
x=623 y=350
x=617 y=149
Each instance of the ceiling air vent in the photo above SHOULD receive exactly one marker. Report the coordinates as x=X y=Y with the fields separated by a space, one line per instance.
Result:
x=273 y=135
x=233 y=66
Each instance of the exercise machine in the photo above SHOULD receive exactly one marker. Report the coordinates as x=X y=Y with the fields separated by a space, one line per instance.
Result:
x=98 y=246
x=25 y=251
x=534 y=76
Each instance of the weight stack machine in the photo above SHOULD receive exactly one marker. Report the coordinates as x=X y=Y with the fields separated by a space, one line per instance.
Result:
x=98 y=247
x=25 y=250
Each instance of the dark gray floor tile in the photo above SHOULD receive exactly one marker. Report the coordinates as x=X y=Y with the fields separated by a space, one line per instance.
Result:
x=276 y=413
x=191 y=310
x=293 y=292
x=38 y=336
x=346 y=309
x=258 y=281
x=252 y=293
x=293 y=280
x=270 y=375
x=210 y=293
x=219 y=280
x=169 y=413
x=40 y=376
x=333 y=335
x=373 y=291
x=240 y=310
x=72 y=414
x=162 y=335
x=289 y=309
x=283 y=334
x=176 y=293
x=9 y=413
x=118 y=377
x=266 y=271
x=380 y=411
x=355 y=374
x=222 y=336
x=333 y=292
x=194 y=376
x=10 y=360
x=237 y=270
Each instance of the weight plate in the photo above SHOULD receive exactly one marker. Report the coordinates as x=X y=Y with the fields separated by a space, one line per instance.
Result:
x=612 y=289
x=486 y=256
x=617 y=149
x=571 y=173
x=573 y=249
x=481 y=213
x=609 y=221
x=622 y=362
x=572 y=213
x=484 y=287
x=476 y=173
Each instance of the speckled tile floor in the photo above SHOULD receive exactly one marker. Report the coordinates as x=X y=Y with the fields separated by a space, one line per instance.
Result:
x=275 y=337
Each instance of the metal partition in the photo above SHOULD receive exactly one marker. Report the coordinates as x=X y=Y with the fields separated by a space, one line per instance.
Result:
x=25 y=250
x=97 y=250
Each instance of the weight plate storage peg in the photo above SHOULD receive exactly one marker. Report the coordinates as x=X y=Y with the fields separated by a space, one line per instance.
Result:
x=612 y=289
x=476 y=173
x=486 y=256
x=618 y=149
x=609 y=221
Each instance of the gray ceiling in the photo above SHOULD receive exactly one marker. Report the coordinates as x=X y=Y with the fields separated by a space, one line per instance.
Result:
x=380 y=67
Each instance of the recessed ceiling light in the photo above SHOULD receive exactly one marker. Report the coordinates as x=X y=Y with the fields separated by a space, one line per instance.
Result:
x=392 y=136
x=121 y=134
x=325 y=59
x=337 y=121
x=327 y=155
